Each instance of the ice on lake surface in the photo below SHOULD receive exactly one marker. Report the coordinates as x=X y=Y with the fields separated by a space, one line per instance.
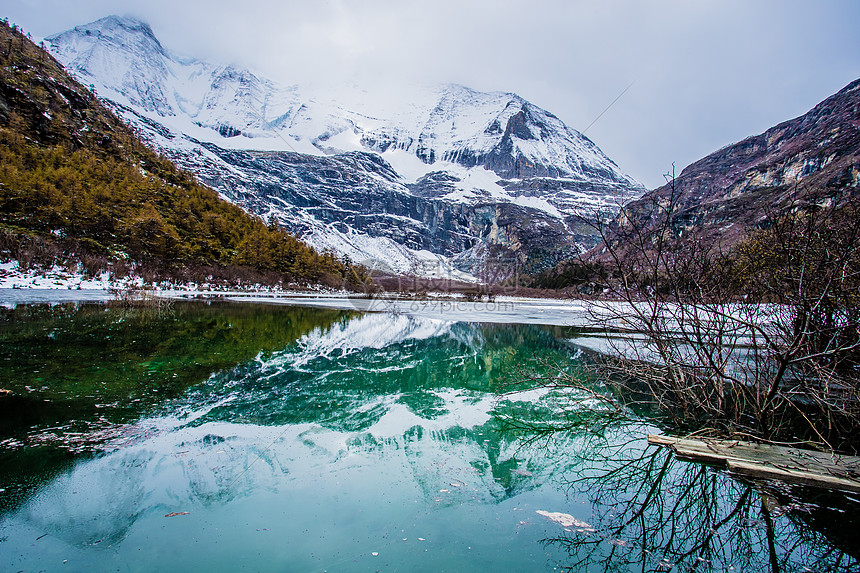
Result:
x=505 y=310
x=11 y=297
x=501 y=310
x=272 y=437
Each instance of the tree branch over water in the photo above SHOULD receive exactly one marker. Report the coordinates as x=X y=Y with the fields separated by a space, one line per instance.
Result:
x=759 y=339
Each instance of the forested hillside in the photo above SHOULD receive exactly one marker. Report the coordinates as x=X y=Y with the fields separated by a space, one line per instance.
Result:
x=76 y=182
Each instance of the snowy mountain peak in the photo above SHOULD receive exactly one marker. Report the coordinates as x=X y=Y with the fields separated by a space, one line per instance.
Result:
x=119 y=27
x=124 y=32
x=456 y=169
x=118 y=54
x=451 y=123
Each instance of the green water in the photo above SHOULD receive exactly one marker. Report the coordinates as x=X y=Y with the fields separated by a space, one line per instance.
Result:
x=270 y=438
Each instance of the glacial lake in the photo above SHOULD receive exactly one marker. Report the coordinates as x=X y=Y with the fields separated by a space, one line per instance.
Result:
x=226 y=436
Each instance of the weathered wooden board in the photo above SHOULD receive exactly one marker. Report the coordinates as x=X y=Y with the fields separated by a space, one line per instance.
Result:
x=764 y=461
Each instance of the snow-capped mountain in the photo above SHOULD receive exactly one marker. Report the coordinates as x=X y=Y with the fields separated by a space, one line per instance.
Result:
x=412 y=182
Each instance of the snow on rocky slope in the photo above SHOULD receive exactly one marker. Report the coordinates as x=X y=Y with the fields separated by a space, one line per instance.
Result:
x=413 y=183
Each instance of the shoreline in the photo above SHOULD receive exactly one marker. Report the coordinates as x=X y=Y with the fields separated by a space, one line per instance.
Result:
x=440 y=306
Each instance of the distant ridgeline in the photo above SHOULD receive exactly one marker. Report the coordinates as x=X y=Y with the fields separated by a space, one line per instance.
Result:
x=728 y=199
x=75 y=180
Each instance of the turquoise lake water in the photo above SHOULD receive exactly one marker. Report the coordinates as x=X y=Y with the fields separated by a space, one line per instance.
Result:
x=246 y=437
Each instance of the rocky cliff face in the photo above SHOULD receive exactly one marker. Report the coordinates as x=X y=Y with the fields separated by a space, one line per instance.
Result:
x=730 y=191
x=441 y=173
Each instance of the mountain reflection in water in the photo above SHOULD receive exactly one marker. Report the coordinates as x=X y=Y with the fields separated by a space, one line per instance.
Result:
x=350 y=442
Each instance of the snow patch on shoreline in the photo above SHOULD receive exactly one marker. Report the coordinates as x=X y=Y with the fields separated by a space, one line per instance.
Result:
x=57 y=277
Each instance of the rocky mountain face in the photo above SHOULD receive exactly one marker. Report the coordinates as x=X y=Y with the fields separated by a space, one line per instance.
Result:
x=438 y=176
x=732 y=190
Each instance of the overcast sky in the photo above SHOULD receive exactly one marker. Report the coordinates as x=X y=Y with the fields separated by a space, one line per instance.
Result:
x=704 y=73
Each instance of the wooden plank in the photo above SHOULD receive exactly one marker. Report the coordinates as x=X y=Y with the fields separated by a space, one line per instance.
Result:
x=698 y=455
x=747 y=450
x=776 y=462
x=660 y=440
x=765 y=471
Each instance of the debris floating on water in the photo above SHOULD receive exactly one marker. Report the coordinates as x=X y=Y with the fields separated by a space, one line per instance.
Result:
x=567 y=520
x=175 y=513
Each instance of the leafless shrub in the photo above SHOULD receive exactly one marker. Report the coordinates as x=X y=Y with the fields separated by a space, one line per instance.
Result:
x=120 y=269
x=758 y=340
x=93 y=265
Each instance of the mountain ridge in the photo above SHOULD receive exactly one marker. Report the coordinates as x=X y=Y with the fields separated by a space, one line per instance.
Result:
x=730 y=191
x=731 y=195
